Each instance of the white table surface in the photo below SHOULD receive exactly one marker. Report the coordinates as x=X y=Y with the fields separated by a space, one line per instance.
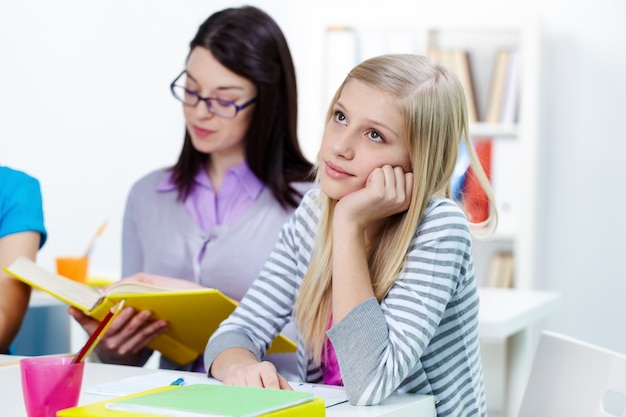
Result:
x=11 y=402
x=508 y=326
x=506 y=317
x=504 y=312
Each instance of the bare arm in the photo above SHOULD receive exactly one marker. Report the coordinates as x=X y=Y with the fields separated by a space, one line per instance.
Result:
x=357 y=220
x=15 y=294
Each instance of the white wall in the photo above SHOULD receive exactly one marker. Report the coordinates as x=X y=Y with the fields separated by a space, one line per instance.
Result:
x=85 y=107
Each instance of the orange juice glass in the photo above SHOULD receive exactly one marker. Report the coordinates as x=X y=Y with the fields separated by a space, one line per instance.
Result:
x=73 y=267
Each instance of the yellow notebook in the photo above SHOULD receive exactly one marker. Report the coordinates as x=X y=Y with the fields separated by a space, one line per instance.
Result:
x=193 y=315
x=313 y=407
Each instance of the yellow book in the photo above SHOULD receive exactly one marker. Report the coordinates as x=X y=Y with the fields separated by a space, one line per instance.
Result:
x=192 y=315
x=208 y=400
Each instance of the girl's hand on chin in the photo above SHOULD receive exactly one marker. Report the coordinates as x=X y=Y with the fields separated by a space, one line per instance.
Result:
x=387 y=191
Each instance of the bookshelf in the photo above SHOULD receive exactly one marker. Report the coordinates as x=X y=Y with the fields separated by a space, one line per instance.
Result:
x=513 y=136
x=513 y=140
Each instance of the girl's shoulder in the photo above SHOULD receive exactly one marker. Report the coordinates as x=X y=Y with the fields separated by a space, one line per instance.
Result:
x=441 y=212
x=312 y=195
x=312 y=199
x=310 y=206
x=439 y=205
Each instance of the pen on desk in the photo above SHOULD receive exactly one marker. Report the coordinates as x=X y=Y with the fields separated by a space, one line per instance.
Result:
x=179 y=381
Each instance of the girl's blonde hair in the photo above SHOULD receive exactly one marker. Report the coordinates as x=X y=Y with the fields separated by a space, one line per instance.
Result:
x=432 y=101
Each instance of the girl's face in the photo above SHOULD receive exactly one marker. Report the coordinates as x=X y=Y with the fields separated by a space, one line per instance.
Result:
x=366 y=131
x=219 y=136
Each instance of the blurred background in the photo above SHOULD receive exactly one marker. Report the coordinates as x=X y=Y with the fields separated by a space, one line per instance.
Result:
x=85 y=107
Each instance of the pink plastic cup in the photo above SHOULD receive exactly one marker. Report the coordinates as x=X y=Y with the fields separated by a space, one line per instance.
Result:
x=50 y=384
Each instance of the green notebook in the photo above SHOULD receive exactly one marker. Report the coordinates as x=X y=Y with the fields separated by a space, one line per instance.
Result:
x=212 y=400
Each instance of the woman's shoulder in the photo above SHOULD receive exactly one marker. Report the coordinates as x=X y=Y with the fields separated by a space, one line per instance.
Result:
x=152 y=180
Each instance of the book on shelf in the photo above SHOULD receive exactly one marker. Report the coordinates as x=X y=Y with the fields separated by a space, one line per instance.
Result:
x=202 y=400
x=497 y=156
x=501 y=270
x=463 y=68
x=458 y=61
x=192 y=315
x=503 y=109
x=497 y=86
x=466 y=186
x=510 y=97
x=475 y=199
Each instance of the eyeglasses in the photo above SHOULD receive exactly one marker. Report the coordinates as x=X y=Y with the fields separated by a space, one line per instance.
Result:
x=217 y=106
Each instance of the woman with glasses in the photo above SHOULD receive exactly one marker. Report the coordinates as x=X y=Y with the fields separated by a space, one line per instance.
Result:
x=212 y=219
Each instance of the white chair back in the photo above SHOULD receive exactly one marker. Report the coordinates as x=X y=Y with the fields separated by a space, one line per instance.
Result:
x=573 y=378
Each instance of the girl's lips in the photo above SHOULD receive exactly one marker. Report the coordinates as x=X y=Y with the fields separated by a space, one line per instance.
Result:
x=200 y=132
x=336 y=172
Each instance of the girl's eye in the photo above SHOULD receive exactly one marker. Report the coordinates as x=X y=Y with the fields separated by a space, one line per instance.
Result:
x=375 y=136
x=340 y=117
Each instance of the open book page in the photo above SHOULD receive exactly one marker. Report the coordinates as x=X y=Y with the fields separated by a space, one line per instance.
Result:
x=139 y=383
x=135 y=384
x=193 y=314
x=80 y=295
x=75 y=293
x=133 y=287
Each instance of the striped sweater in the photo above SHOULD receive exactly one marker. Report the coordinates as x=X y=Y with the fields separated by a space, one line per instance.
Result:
x=421 y=338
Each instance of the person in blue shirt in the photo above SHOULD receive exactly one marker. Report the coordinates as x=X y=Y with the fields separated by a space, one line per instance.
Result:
x=22 y=233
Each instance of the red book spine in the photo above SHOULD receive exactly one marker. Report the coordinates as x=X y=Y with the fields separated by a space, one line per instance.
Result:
x=475 y=199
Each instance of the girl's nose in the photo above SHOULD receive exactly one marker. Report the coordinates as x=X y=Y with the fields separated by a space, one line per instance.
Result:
x=343 y=145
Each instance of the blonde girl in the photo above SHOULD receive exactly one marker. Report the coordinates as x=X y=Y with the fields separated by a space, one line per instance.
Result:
x=376 y=265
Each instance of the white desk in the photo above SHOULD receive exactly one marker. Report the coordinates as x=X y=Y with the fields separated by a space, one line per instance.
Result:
x=507 y=320
x=11 y=402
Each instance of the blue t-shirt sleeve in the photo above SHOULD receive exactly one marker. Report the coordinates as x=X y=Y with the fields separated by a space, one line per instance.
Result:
x=21 y=207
